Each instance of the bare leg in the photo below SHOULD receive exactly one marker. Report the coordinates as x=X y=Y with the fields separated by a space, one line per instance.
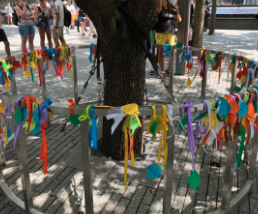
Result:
x=42 y=38
x=161 y=59
x=56 y=43
x=49 y=38
x=23 y=43
x=62 y=41
x=83 y=26
x=11 y=19
x=7 y=48
x=31 y=45
x=8 y=18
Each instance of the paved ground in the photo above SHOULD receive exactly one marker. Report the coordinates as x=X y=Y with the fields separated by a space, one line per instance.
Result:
x=59 y=191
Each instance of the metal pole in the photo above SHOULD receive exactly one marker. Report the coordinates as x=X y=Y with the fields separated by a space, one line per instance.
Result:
x=253 y=157
x=14 y=86
x=24 y=169
x=43 y=80
x=233 y=80
x=183 y=30
x=86 y=167
x=204 y=84
x=2 y=157
x=172 y=73
x=168 y=176
x=226 y=191
x=75 y=77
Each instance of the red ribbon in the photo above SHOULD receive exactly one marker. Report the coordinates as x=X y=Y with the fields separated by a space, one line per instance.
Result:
x=43 y=151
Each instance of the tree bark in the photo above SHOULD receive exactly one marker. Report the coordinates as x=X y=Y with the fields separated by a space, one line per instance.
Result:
x=198 y=23
x=213 y=18
x=126 y=80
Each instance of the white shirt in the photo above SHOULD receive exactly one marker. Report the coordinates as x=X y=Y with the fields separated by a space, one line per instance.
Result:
x=72 y=9
x=58 y=8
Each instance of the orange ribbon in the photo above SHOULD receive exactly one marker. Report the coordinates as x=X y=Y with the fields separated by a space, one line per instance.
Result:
x=27 y=103
x=72 y=106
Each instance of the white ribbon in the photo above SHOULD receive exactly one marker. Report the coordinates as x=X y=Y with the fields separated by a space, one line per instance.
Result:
x=172 y=119
x=117 y=117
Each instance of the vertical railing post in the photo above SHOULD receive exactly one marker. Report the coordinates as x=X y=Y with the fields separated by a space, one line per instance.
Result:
x=204 y=84
x=24 y=169
x=43 y=80
x=2 y=156
x=168 y=176
x=226 y=191
x=253 y=160
x=86 y=167
x=233 y=80
x=75 y=77
x=172 y=73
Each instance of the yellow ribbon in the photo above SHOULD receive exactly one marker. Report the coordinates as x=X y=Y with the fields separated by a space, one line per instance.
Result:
x=130 y=110
x=163 y=128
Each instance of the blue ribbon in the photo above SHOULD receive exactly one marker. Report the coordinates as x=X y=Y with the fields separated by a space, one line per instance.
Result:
x=93 y=135
x=167 y=49
x=180 y=60
x=92 y=46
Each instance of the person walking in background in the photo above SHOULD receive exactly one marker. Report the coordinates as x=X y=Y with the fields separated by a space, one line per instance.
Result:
x=92 y=30
x=58 y=22
x=82 y=19
x=165 y=29
x=45 y=12
x=206 y=17
x=77 y=18
x=26 y=25
x=68 y=8
x=9 y=14
x=192 y=11
x=73 y=12
x=3 y=38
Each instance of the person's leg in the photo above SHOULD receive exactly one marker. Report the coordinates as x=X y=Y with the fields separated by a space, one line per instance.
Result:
x=61 y=36
x=171 y=41
x=7 y=48
x=31 y=45
x=11 y=19
x=78 y=24
x=23 y=43
x=160 y=40
x=8 y=18
x=31 y=37
x=49 y=38
x=83 y=26
x=42 y=38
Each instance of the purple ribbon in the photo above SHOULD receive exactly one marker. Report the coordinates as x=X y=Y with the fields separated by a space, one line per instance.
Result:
x=191 y=145
x=16 y=103
x=198 y=125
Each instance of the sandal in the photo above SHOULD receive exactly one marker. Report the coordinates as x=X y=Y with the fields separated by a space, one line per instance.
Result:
x=168 y=73
x=164 y=74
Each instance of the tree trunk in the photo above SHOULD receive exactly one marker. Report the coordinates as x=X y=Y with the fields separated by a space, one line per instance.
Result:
x=126 y=81
x=213 y=18
x=198 y=23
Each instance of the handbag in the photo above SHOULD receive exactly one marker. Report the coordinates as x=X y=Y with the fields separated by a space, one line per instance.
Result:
x=41 y=21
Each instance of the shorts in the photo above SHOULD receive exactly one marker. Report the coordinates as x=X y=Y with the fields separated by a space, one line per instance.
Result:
x=46 y=27
x=9 y=14
x=73 y=17
x=60 y=33
x=81 y=19
x=152 y=37
x=3 y=37
x=165 y=38
x=26 y=30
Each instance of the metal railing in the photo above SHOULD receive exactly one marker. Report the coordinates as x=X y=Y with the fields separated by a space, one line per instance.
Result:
x=59 y=108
